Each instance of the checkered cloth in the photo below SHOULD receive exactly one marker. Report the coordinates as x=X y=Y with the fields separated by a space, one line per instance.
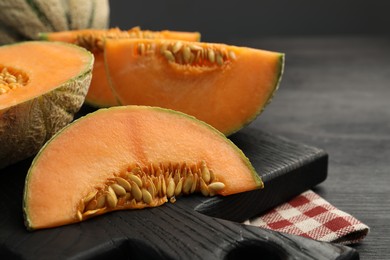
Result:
x=311 y=216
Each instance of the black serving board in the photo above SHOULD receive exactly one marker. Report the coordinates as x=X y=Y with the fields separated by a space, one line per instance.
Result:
x=195 y=227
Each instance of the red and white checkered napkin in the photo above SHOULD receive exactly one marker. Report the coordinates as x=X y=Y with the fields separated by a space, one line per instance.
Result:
x=311 y=216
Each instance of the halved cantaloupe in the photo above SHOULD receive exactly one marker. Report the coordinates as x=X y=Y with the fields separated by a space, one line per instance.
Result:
x=100 y=94
x=130 y=157
x=42 y=86
x=225 y=86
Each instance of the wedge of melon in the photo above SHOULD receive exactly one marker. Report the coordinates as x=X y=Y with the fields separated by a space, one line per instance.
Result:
x=100 y=94
x=130 y=157
x=42 y=86
x=225 y=86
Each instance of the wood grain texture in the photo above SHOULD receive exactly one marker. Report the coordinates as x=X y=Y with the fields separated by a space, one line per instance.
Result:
x=191 y=228
x=335 y=94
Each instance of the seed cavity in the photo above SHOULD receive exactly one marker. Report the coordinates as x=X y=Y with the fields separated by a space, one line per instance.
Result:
x=197 y=55
x=94 y=41
x=148 y=186
x=11 y=79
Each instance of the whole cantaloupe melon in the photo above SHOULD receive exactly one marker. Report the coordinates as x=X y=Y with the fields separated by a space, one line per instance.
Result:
x=22 y=20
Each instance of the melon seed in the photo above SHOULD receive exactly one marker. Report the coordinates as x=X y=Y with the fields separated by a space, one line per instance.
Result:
x=172 y=199
x=90 y=196
x=124 y=183
x=179 y=187
x=118 y=189
x=168 y=55
x=195 y=47
x=219 y=59
x=146 y=196
x=163 y=186
x=212 y=176
x=136 y=191
x=186 y=54
x=91 y=212
x=187 y=184
x=211 y=56
x=194 y=183
x=111 y=199
x=232 y=55
x=137 y=180
x=3 y=89
x=151 y=188
x=91 y=205
x=170 y=188
x=177 y=46
x=101 y=201
x=216 y=186
x=204 y=188
x=205 y=172
x=159 y=188
x=79 y=215
x=164 y=47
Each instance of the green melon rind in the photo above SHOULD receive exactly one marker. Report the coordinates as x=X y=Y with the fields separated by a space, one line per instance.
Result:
x=256 y=177
x=25 y=127
x=276 y=84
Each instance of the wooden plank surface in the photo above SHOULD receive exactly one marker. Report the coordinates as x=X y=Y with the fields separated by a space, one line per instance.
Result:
x=335 y=94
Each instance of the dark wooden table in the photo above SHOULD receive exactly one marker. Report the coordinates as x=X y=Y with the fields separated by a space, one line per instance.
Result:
x=335 y=94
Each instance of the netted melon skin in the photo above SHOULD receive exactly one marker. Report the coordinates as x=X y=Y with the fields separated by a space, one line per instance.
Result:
x=25 y=127
x=22 y=20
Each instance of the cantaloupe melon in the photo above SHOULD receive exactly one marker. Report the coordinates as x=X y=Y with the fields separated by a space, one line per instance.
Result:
x=22 y=20
x=42 y=86
x=225 y=86
x=130 y=157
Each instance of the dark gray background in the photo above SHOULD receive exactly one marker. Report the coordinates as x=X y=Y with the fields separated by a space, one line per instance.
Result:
x=227 y=20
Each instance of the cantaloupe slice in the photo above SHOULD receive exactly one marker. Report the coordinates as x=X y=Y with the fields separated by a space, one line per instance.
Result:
x=42 y=86
x=100 y=94
x=130 y=157
x=225 y=86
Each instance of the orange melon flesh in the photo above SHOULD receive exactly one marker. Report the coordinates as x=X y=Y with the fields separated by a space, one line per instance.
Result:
x=226 y=96
x=91 y=149
x=100 y=94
